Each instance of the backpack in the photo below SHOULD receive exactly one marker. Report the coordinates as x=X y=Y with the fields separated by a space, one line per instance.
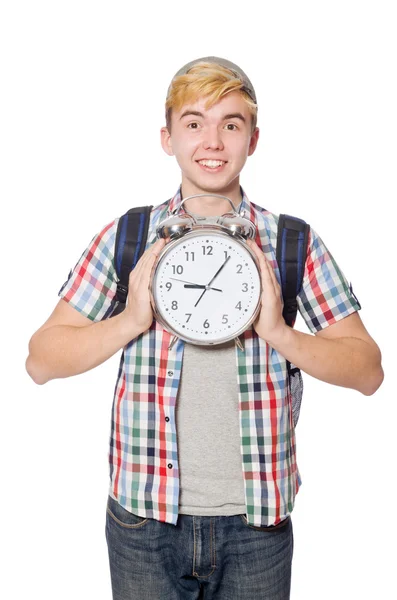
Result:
x=292 y=240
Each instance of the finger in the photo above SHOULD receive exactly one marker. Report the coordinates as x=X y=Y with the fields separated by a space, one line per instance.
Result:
x=263 y=263
x=266 y=268
x=153 y=249
x=141 y=266
x=149 y=265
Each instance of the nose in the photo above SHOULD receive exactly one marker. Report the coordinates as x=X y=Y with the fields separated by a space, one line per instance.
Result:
x=212 y=139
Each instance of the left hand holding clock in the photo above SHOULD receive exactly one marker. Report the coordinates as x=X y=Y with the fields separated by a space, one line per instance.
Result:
x=270 y=323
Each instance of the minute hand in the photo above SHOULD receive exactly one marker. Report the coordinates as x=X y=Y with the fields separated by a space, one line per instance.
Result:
x=216 y=274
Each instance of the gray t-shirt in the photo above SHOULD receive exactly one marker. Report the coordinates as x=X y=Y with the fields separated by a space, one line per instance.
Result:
x=208 y=435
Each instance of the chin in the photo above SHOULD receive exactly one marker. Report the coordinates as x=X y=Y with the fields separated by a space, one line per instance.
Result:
x=215 y=186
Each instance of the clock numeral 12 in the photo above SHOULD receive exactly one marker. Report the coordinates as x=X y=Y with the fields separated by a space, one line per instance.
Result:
x=207 y=250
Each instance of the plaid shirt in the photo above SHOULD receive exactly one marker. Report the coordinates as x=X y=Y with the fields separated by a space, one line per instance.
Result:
x=143 y=455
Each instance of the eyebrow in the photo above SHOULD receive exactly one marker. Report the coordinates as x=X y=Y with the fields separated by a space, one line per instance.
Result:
x=196 y=113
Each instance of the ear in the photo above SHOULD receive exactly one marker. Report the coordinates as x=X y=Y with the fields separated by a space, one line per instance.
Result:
x=253 y=141
x=166 y=142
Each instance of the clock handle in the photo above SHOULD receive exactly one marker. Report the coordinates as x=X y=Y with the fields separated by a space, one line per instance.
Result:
x=177 y=209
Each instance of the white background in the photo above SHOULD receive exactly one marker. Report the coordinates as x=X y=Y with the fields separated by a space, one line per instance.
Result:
x=82 y=102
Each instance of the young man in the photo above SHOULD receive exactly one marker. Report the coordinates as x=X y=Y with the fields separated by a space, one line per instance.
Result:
x=203 y=472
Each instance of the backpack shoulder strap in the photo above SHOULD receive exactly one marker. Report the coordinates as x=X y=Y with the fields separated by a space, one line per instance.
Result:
x=131 y=236
x=292 y=240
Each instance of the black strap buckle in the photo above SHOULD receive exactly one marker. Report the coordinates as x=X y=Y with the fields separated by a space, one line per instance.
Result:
x=122 y=292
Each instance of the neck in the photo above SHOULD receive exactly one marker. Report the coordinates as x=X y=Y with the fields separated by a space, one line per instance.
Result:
x=209 y=205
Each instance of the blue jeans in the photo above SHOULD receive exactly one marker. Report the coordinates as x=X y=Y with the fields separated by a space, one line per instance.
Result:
x=215 y=558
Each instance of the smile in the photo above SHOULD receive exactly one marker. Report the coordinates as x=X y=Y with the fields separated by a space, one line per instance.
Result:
x=211 y=164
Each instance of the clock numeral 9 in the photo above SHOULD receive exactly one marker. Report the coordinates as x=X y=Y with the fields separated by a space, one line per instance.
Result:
x=245 y=287
x=240 y=269
x=206 y=324
x=174 y=305
x=168 y=285
x=207 y=250
x=187 y=255
x=225 y=319
x=177 y=269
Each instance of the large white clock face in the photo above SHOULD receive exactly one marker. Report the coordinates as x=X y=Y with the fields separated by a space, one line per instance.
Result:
x=229 y=295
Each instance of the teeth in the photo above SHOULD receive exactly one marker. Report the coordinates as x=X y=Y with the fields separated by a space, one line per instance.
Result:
x=212 y=163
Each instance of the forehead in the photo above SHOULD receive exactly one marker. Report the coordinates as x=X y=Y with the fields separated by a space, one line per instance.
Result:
x=229 y=104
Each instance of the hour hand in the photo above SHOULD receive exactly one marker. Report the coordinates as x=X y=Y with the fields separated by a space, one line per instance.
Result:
x=195 y=286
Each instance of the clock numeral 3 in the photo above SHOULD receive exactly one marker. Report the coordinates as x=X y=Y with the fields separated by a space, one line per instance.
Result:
x=245 y=287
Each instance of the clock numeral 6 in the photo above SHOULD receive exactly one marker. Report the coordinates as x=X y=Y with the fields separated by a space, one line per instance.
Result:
x=225 y=319
x=174 y=305
x=206 y=324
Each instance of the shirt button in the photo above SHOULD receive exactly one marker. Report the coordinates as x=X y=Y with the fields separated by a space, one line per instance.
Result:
x=169 y=465
x=167 y=419
x=170 y=373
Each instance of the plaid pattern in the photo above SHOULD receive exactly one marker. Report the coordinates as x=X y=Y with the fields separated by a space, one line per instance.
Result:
x=143 y=455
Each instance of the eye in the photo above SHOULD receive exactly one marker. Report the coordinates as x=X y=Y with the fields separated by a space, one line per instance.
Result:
x=231 y=127
x=193 y=125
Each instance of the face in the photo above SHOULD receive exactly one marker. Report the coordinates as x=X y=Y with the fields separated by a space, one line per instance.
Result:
x=211 y=145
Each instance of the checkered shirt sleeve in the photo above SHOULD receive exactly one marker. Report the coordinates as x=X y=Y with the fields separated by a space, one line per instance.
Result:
x=326 y=296
x=91 y=285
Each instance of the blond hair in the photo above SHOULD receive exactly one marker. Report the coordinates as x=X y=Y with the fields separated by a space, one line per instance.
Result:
x=208 y=80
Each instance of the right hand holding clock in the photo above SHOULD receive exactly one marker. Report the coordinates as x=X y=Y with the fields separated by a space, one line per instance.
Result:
x=138 y=309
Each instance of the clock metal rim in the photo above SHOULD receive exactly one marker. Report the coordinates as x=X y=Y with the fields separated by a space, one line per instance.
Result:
x=196 y=232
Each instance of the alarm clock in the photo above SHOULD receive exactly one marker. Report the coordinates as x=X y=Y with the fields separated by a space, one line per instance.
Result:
x=205 y=286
